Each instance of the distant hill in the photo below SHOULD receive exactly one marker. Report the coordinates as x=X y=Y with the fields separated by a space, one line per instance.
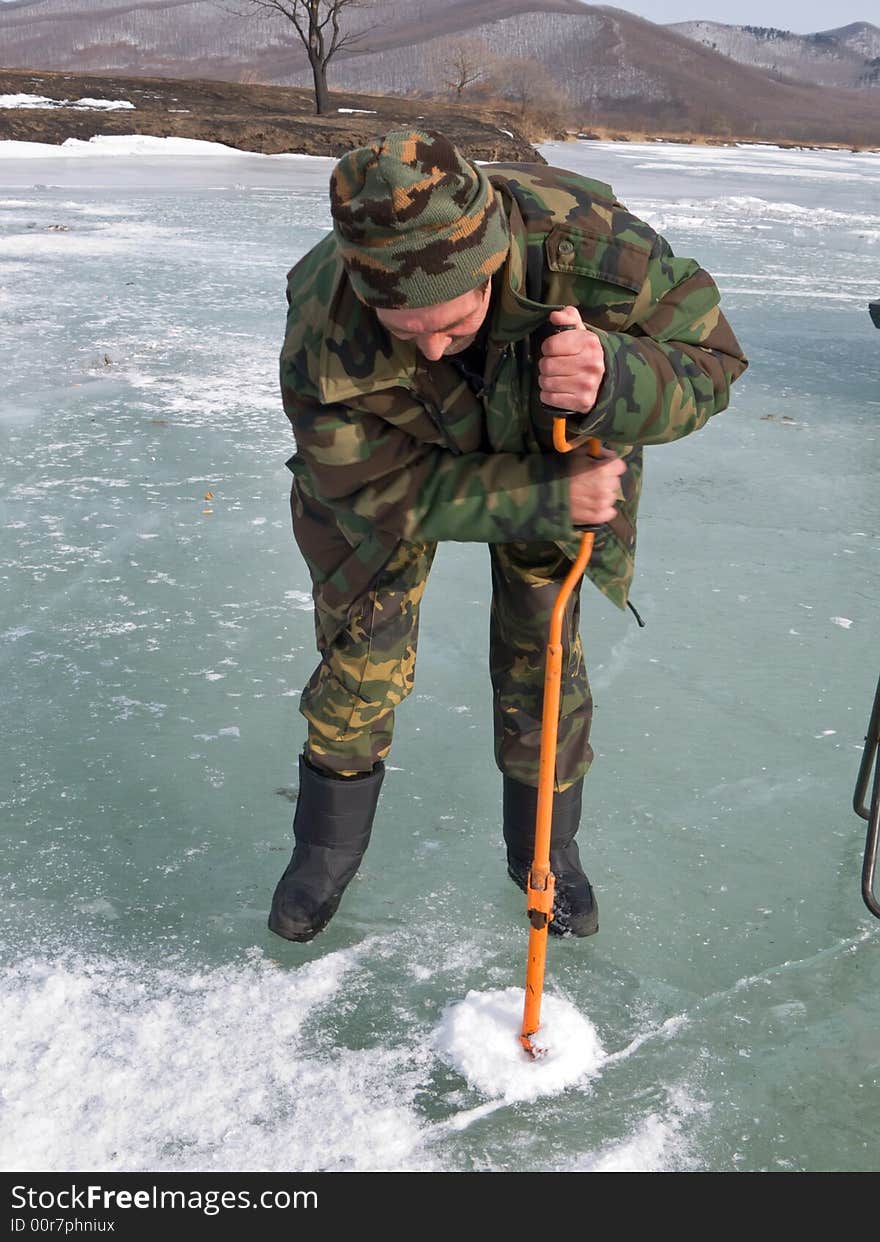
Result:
x=848 y=56
x=617 y=69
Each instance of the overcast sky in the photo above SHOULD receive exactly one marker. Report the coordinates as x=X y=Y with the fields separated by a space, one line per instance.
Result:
x=803 y=16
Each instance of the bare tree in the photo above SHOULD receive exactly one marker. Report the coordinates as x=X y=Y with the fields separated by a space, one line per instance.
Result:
x=319 y=25
x=463 y=63
x=544 y=109
x=527 y=83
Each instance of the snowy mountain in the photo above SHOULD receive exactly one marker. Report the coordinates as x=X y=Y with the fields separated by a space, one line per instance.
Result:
x=615 y=68
x=848 y=56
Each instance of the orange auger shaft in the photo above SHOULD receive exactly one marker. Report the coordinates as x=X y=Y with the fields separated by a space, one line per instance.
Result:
x=539 y=895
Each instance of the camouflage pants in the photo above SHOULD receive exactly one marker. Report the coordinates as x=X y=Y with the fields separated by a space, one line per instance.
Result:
x=369 y=668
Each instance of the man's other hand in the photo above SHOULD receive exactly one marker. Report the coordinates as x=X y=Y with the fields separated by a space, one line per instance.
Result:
x=572 y=364
x=594 y=487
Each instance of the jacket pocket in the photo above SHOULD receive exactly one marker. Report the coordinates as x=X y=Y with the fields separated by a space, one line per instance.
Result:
x=599 y=273
x=582 y=251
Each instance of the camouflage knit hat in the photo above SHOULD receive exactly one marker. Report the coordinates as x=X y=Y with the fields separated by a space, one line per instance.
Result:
x=415 y=222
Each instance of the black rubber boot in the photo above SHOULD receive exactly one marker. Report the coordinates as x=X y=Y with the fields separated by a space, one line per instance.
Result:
x=575 y=912
x=331 y=828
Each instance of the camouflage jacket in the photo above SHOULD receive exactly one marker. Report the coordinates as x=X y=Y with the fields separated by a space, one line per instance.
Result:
x=390 y=446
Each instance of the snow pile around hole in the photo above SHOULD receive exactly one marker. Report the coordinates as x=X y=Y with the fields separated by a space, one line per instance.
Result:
x=479 y=1037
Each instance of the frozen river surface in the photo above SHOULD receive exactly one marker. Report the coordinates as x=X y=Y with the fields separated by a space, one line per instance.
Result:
x=155 y=633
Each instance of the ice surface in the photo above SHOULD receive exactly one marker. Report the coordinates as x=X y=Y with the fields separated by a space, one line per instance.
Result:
x=738 y=161
x=154 y=643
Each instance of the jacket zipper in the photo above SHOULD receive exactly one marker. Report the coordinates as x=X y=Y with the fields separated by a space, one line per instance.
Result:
x=489 y=386
x=434 y=415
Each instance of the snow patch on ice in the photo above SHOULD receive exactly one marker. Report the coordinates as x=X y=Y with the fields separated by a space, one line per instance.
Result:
x=13 y=635
x=110 y=1064
x=137 y=144
x=660 y=1142
x=100 y=907
x=116 y=237
x=748 y=212
x=40 y=101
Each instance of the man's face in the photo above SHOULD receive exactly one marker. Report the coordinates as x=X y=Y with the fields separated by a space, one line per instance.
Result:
x=440 y=330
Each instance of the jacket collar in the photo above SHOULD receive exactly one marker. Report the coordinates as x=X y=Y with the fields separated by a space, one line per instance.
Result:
x=359 y=357
x=516 y=315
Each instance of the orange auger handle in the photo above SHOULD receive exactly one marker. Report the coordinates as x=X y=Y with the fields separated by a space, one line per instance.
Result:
x=539 y=895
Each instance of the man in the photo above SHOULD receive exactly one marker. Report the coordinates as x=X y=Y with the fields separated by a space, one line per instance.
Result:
x=424 y=361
